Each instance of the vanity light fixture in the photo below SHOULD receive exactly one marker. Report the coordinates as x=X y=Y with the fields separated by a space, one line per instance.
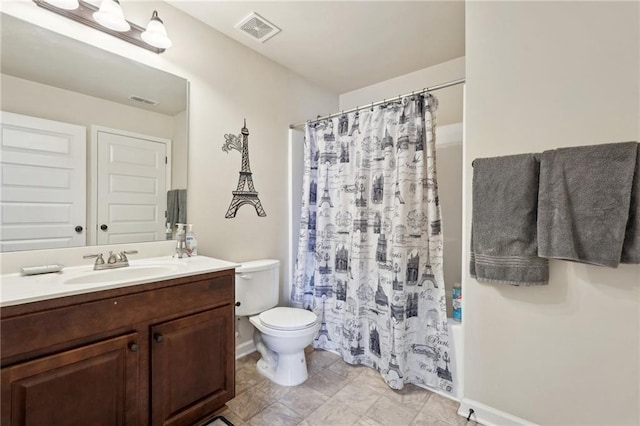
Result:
x=109 y=19
x=64 y=4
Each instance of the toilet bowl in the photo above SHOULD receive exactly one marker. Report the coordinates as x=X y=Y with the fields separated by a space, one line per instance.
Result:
x=280 y=333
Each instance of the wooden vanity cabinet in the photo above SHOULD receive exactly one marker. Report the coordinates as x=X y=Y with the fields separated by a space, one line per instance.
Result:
x=152 y=354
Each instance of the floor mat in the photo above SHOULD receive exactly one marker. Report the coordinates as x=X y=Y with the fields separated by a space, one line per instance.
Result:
x=219 y=421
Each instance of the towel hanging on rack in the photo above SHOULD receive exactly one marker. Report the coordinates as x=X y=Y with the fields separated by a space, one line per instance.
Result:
x=585 y=201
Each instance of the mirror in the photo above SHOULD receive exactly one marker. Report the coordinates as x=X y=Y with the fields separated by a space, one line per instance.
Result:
x=45 y=75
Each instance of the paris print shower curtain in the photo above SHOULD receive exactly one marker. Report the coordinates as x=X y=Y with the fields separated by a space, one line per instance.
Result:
x=369 y=259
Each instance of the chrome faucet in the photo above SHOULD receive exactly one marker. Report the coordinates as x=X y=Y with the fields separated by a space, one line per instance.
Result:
x=115 y=260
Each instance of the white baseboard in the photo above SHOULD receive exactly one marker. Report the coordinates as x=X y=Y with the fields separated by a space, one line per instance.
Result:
x=490 y=416
x=245 y=348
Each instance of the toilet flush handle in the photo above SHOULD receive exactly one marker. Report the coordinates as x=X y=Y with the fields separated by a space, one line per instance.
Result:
x=245 y=276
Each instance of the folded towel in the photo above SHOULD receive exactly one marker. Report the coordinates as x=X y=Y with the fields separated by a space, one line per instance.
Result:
x=176 y=207
x=584 y=200
x=631 y=246
x=503 y=234
x=182 y=206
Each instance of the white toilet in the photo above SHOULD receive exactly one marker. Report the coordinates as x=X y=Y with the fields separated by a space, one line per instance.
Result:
x=281 y=334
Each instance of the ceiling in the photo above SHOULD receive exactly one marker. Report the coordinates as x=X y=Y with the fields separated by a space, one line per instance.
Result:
x=345 y=45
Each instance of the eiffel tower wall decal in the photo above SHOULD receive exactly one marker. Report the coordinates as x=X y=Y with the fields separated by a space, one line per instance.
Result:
x=245 y=193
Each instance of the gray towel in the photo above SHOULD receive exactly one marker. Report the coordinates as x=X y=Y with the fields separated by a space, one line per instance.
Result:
x=176 y=207
x=631 y=246
x=503 y=234
x=584 y=201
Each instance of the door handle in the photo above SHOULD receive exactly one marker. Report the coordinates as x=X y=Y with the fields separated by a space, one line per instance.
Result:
x=104 y=227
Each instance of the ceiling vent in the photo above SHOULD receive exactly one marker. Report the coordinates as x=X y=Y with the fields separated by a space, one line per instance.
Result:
x=257 y=27
x=144 y=100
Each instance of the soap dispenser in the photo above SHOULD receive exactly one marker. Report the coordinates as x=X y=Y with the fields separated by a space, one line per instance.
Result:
x=191 y=242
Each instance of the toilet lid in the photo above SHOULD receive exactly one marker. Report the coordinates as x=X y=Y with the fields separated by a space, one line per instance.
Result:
x=288 y=318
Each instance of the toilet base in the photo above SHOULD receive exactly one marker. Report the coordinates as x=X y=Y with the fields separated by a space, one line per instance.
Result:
x=289 y=370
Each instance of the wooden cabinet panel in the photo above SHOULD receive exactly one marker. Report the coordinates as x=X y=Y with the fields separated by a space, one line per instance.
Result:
x=67 y=361
x=26 y=333
x=192 y=364
x=92 y=385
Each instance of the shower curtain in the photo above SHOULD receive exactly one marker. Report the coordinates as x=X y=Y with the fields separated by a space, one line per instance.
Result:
x=369 y=259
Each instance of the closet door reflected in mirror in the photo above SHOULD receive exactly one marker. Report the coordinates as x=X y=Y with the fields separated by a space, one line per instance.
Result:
x=131 y=187
x=43 y=166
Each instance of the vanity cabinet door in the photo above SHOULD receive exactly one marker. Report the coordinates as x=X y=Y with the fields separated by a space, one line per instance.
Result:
x=96 y=384
x=192 y=366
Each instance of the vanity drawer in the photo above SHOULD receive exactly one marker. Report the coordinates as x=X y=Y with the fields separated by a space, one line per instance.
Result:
x=45 y=330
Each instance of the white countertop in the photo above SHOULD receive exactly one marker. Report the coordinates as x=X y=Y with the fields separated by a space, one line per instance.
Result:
x=16 y=289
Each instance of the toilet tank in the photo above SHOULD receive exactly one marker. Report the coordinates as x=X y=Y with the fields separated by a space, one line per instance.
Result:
x=257 y=286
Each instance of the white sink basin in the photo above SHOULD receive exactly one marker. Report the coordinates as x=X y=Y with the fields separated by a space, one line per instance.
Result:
x=123 y=274
x=73 y=280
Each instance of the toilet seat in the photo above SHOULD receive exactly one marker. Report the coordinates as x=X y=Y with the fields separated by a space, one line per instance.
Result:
x=288 y=319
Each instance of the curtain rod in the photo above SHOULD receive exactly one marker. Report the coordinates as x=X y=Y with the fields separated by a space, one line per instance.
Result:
x=426 y=89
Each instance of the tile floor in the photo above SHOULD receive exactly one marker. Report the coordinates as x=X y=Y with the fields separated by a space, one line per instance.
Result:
x=335 y=394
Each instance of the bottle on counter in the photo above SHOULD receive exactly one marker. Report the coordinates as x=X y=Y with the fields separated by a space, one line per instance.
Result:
x=192 y=243
x=456 y=295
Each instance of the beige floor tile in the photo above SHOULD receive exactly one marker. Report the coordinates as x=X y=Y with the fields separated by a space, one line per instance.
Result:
x=336 y=394
x=303 y=399
x=358 y=397
x=424 y=419
x=371 y=377
x=389 y=413
x=273 y=391
x=368 y=421
x=248 y=378
x=333 y=413
x=326 y=382
x=445 y=409
x=276 y=414
x=410 y=396
x=247 y=360
x=249 y=403
x=319 y=359
x=345 y=370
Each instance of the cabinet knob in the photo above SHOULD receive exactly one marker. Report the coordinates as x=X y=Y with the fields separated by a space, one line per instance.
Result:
x=158 y=337
x=238 y=303
x=79 y=229
x=133 y=347
x=104 y=227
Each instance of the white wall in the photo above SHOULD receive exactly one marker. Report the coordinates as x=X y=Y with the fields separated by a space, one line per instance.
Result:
x=450 y=106
x=228 y=83
x=449 y=155
x=543 y=75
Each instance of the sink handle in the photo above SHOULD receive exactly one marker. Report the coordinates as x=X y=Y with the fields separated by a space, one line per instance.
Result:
x=124 y=253
x=98 y=257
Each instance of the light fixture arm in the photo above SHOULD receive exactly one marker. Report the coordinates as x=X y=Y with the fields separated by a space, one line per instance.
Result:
x=84 y=13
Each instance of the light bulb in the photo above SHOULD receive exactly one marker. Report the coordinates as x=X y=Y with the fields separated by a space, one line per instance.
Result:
x=111 y=16
x=156 y=33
